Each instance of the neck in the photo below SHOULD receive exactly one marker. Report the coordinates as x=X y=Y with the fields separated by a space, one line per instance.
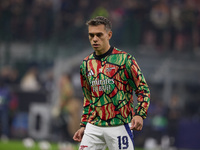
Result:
x=103 y=51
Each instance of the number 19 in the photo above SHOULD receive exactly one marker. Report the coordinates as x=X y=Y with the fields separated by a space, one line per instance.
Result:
x=122 y=142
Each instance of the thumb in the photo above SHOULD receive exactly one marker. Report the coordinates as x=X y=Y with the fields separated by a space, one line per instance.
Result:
x=132 y=124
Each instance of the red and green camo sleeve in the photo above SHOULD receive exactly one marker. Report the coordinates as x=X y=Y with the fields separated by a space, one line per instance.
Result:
x=139 y=85
x=86 y=94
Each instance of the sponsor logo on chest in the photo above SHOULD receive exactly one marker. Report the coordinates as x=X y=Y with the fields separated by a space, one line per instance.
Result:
x=101 y=85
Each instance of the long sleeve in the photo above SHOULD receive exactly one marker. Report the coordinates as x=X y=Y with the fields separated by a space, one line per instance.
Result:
x=139 y=85
x=86 y=94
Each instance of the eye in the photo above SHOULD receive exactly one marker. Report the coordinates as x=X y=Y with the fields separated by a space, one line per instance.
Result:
x=99 y=34
x=91 y=35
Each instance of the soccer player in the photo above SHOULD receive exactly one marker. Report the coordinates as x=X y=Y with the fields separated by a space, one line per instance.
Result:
x=108 y=78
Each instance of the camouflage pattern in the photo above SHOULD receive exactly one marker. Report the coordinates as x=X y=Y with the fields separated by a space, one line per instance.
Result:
x=108 y=84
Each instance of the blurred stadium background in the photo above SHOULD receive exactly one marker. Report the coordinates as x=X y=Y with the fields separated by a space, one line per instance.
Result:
x=42 y=44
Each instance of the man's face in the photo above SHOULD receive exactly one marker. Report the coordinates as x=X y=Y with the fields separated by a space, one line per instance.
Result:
x=99 y=38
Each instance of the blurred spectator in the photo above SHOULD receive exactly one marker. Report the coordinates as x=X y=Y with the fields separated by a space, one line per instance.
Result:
x=5 y=74
x=69 y=108
x=134 y=22
x=174 y=115
x=5 y=20
x=159 y=16
x=5 y=97
x=189 y=19
x=101 y=10
x=18 y=13
x=30 y=81
x=197 y=33
x=48 y=80
x=157 y=123
x=177 y=41
x=10 y=76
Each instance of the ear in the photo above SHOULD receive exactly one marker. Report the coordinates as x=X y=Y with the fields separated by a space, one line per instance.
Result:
x=109 y=35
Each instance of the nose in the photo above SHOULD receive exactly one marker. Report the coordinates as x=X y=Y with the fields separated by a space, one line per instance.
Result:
x=95 y=39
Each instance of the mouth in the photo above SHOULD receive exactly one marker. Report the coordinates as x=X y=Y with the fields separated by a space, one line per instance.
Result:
x=95 y=45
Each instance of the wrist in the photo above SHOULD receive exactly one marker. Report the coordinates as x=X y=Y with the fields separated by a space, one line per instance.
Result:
x=139 y=116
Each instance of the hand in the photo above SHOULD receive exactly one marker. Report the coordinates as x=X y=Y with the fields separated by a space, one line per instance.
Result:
x=79 y=134
x=136 y=123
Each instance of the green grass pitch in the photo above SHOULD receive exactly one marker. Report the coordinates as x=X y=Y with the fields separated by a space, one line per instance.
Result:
x=18 y=145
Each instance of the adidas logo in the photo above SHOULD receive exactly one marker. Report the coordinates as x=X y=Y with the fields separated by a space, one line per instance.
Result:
x=90 y=73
